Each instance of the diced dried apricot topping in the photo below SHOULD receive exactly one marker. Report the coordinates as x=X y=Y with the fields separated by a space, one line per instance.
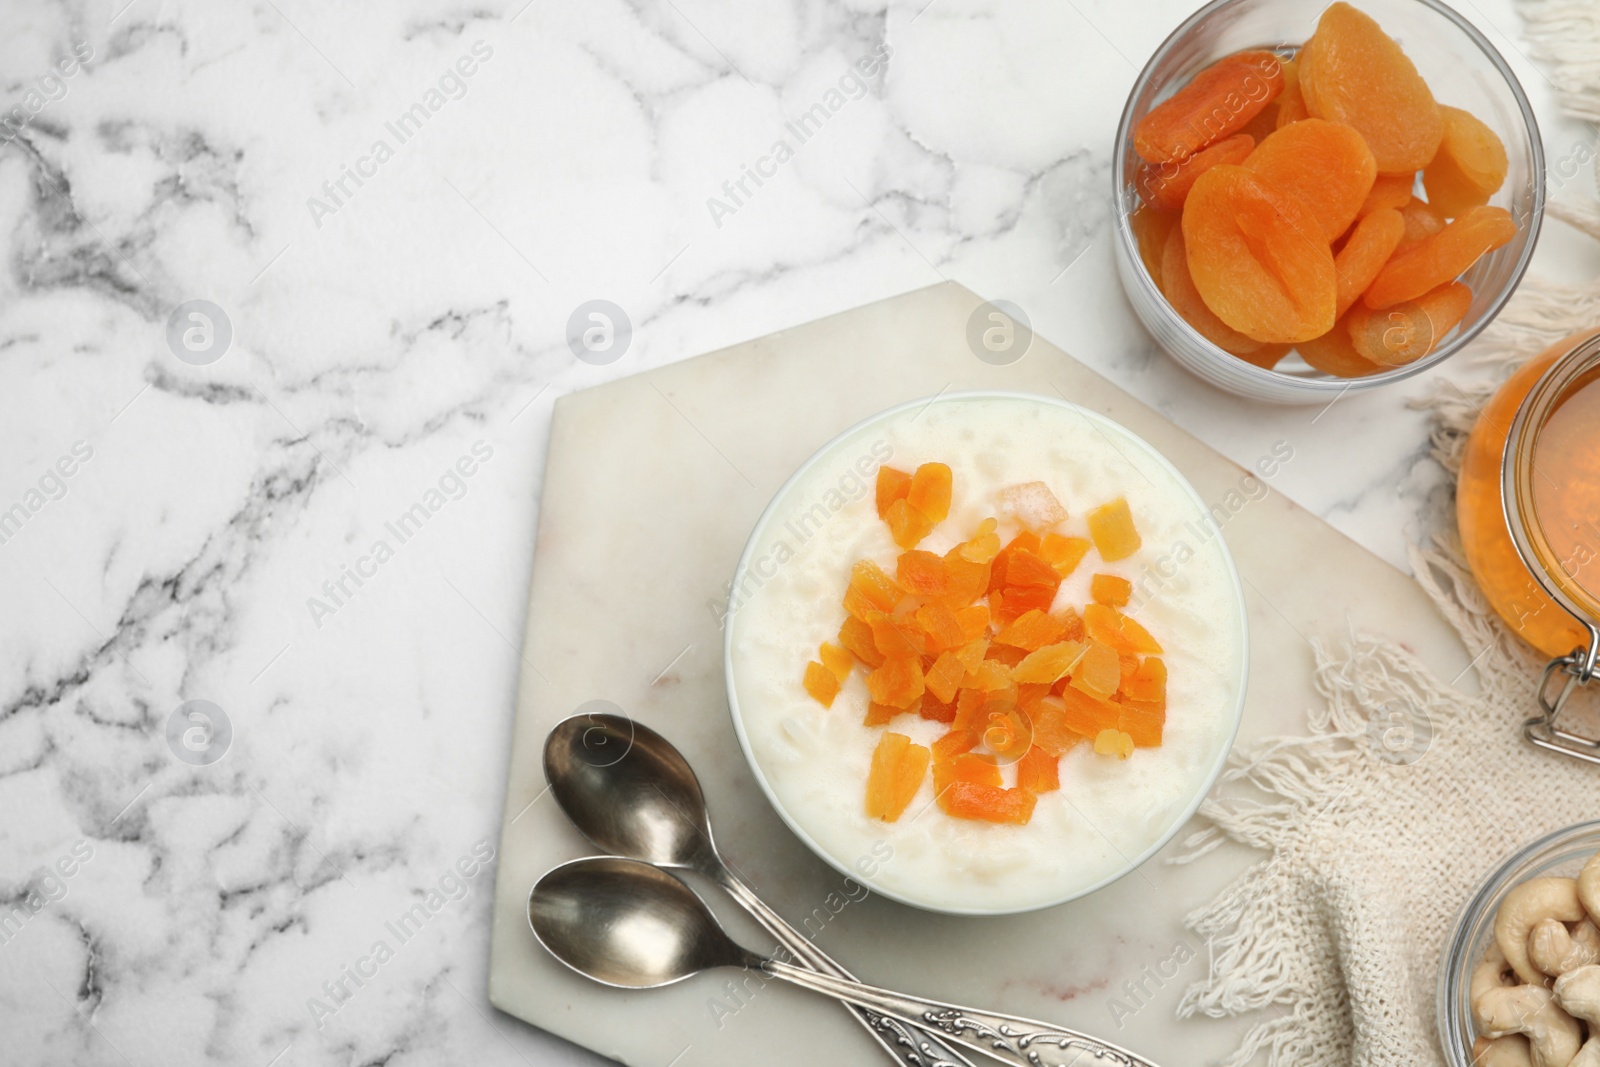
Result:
x=1326 y=165
x=896 y=637
x=898 y=768
x=1009 y=733
x=1149 y=682
x=1063 y=553
x=839 y=661
x=973 y=767
x=1219 y=101
x=1113 y=742
x=922 y=573
x=1032 y=630
x=1143 y=722
x=821 y=683
x=1405 y=332
x=941 y=627
x=856 y=635
x=1353 y=72
x=982 y=546
x=1016 y=601
x=952 y=744
x=880 y=714
x=944 y=677
x=1177 y=285
x=970 y=800
x=1038 y=771
x=870 y=590
x=1469 y=167
x=1258 y=257
x=1098 y=674
x=930 y=491
x=965 y=580
x=1010 y=655
x=1166 y=185
x=898 y=683
x=892 y=485
x=1085 y=715
x=936 y=710
x=1111 y=527
x=907 y=525
x=974 y=622
x=989 y=676
x=1367 y=249
x=1110 y=589
x=1442 y=257
x=1048 y=663
x=1033 y=505
x=1051 y=732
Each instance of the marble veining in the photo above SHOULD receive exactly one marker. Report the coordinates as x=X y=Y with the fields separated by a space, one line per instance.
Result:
x=171 y=517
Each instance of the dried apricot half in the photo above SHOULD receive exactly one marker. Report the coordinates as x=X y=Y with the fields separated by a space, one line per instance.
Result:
x=1469 y=167
x=1367 y=249
x=1178 y=287
x=1166 y=185
x=1219 y=101
x=1327 y=165
x=1405 y=332
x=1442 y=257
x=1258 y=257
x=1334 y=353
x=1353 y=72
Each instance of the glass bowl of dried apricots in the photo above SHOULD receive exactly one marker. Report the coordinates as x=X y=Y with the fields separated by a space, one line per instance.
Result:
x=1315 y=197
x=986 y=653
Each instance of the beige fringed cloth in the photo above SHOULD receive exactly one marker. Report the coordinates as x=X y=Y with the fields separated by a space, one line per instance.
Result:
x=1335 y=939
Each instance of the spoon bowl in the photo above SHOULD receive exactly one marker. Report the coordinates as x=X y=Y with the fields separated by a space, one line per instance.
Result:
x=627 y=924
x=627 y=789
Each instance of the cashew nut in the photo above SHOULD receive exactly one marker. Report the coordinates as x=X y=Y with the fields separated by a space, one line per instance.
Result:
x=1555 y=950
x=1523 y=907
x=1589 y=886
x=1492 y=972
x=1510 y=1051
x=1588 y=1055
x=1532 y=1010
x=1578 y=993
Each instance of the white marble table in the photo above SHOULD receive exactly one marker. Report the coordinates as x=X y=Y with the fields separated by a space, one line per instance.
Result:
x=193 y=530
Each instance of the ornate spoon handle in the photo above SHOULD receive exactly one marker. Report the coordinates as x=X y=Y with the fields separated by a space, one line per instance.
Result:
x=1025 y=1042
x=908 y=1042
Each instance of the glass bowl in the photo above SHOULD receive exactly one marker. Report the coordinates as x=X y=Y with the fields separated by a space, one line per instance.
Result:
x=1462 y=68
x=1560 y=854
x=852 y=457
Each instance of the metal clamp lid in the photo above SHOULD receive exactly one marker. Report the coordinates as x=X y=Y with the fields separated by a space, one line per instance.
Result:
x=1578 y=668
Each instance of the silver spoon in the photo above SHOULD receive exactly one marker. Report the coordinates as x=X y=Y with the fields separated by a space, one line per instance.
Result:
x=631 y=792
x=635 y=926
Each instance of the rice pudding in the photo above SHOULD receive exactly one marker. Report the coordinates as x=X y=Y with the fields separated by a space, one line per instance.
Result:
x=1076 y=663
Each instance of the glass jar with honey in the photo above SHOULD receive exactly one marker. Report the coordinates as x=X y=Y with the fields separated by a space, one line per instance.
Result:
x=1528 y=505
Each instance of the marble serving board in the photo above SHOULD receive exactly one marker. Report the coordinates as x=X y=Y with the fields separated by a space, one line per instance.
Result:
x=652 y=486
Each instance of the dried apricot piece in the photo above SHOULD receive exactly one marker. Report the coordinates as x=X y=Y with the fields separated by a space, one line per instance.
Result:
x=1109 y=626
x=1271 y=116
x=1085 y=715
x=1166 y=185
x=930 y=491
x=1142 y=723
x=944 y=677
x=1024 y=568
x=1009 y=655
x=972 y=653
x=898 y=683
x=1218 y=101
x=937 y=710
x=1032 y=631
x=1442 y=257
x=1033 y=505
x=839 y=661
x=1258 y=257
x=1291 y=106
x=821 y=683
x=1008 y=733
x=1353 y=72
x=1405 y=332
x=1367 y=249
x=1098 y=674
x=974 y=622
x=1112 y=530
x=1325 y=164
x=1023 y=542
x=965 y=581
x=1050 y=730
x=907 y=525
x=1150 y=229
x=1048 y=663
x=982 y=546
x=1110 y=589
x=1063 y=553
x=922 y=573
x=1015 y=601
x=1038 y=771
x=1149 y=682
x=1333 y=353
x=870 y=590
x=892 y=485
x=1177 y=285
x=1422 y=222
x=856 y=635
x=898 y=768
x=970 y=800
x=880 y=714
x=974 y=767
x=952 y=744
x=1113 y=742
x=1469 y=167
x=1073 y=622
x=940 y=626
x=1388 y=191
x=990 y=675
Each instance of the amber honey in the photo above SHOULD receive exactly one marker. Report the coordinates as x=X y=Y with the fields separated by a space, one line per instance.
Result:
x=1543 y=493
